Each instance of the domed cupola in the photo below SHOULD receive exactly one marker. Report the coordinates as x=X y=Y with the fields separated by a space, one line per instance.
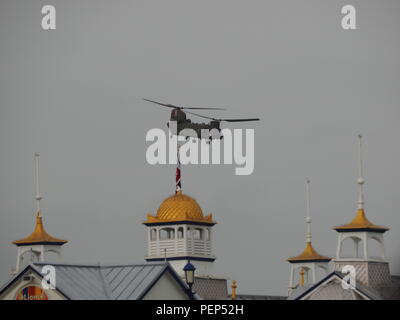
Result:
x=180 y=232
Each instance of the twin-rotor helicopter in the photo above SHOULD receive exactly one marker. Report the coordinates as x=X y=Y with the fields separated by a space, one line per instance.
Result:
x=182 y=122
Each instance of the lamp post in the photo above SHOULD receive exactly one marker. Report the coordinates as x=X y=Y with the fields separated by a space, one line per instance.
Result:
x=189 y=270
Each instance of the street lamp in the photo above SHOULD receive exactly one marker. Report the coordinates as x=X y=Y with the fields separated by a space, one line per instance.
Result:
x=189 y=270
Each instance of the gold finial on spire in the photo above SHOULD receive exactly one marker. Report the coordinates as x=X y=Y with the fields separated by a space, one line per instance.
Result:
x=302 y=273
x=234 y=286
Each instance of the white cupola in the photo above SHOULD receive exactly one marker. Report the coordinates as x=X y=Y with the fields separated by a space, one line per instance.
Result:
x=39 y=242
x=306 y=264
x=361 y=233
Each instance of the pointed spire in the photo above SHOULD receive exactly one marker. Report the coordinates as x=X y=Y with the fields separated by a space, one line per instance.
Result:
x=360 y=180
x=309 y=254
x=308 y=217
x=38 y=196
x=360 y=222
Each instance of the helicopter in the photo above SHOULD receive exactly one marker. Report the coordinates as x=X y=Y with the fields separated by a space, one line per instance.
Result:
x=182 y=122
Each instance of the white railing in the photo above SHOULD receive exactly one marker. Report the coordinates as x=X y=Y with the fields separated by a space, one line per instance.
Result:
x=180 y=247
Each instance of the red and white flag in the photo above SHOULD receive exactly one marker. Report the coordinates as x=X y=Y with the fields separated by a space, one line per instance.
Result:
x=178 y=175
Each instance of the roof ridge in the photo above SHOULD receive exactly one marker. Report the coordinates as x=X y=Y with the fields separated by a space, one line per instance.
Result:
x=94 y=265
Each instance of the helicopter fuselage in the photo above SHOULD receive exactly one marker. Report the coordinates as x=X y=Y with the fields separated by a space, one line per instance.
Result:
x=185 y=127
x=183 y=124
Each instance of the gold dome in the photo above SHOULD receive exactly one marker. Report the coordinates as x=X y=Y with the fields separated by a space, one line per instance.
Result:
x=179 y=207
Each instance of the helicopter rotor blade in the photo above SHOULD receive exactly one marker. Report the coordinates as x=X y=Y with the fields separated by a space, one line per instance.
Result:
x=163 y=104
x=199 y=115
x=239 y=120
x=176 y=107
x=227 y=120
x=189 y=108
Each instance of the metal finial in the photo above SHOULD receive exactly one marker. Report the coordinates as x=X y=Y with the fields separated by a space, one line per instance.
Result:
x=308 y=217
x=38 y=196
x=302 y=273
x=233 y=287
x=360 y=180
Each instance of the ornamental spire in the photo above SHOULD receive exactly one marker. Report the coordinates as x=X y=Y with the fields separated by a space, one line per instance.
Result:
x=38 y=196
x=360 y=180
x=360 y=221
x=309 y=254
x=308 y=217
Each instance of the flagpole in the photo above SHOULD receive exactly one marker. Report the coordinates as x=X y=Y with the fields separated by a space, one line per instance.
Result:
x=178 y=182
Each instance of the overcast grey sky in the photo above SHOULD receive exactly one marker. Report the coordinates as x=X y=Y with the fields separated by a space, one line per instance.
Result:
x=75 y=95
